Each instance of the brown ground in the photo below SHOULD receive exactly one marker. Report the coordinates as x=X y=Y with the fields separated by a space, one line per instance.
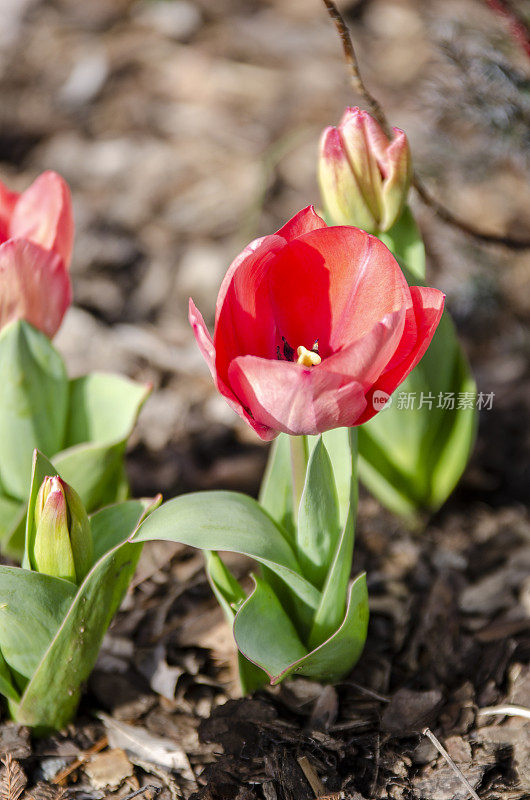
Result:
x=185 y=129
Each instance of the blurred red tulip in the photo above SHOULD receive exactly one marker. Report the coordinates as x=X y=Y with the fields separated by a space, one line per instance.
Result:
x=36 y=237
x=310 y=323
x=364 y=178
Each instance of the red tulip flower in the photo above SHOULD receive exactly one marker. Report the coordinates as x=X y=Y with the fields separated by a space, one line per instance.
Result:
x=36 y=237
x=312 y=321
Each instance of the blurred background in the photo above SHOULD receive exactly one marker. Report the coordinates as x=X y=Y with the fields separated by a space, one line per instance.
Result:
x=185 y=128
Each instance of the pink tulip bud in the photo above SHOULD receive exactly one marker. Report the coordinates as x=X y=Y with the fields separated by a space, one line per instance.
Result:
x=36 y=236
x=364 y=178
x=63 y=540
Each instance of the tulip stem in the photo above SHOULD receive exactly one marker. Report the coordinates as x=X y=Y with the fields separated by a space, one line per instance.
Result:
x=299 y=457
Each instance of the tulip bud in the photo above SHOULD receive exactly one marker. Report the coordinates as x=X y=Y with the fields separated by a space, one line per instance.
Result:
x=63 y=541
x=364 y=178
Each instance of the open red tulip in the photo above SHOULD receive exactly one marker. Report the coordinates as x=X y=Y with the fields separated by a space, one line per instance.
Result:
x=36 y=237
x=310 y=323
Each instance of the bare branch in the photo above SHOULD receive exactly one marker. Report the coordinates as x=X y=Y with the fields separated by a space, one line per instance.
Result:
x=376 y=110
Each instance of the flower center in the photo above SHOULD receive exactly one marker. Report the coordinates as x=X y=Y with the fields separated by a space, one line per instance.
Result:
x=303 y=356
x=307 y=358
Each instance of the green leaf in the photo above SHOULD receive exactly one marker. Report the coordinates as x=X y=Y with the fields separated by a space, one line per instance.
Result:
x=10 y=512
x=264 y=632
x=276 y=493
x=226 y=588
x=51 y=696
x=333 y=601
x=103 y=409
x=33 y=402
x=341 y=445
x=7 y=687
x=32 y=607
x=265 y=635
x=405 y=241
x=94 y=470
x=113 y=525
x=318 y=519
x=412 y=459
x=230 y=595
x=233 y=522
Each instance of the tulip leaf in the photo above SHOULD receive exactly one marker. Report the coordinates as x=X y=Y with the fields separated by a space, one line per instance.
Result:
x=32 y=607
x=113 y=525
x=7 y=687
x=333 y=601
x=33 y=402
x=51 y=696
x=103 y=408
x=233 y=522
x=405 y=242
x=265 y=635
x=230 y=595
x=264 y=632
x=318 y=527
x=341 y=445
x=95 y=471
x=276 y=493
x=412 y=458
x=10 y=512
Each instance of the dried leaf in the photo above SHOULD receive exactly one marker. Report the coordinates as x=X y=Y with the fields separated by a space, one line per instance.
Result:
x=12 y=779
x=140 y=743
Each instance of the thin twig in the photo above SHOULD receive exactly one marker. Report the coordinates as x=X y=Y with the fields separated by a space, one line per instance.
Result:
x=441 y=749
x=82 y=758
x=508 y=710
x=451 y=219
x=353 y=65
x=518 y=27
x=376 y=110
x=368 y=692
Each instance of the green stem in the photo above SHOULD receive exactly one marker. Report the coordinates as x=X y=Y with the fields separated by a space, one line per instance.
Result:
x=299 y=457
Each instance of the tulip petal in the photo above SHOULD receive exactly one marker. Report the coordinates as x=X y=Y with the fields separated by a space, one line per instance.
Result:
x=202 y=336
x=428 y=305
x=306 y=220
x=339 y=186
x=43 y=214
x=357 y=131
x=206 y=346
x=8 y=201
x=244 y=320
x=294 y=399
x=340 y=282
x=365 y=359
x=34 y=285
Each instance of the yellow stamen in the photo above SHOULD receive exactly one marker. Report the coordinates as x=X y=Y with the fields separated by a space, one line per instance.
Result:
x=308 y=358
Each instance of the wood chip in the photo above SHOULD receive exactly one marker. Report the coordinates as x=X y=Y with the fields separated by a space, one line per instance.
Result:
x=109 y=769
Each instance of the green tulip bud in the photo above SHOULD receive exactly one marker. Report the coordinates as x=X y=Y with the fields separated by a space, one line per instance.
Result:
x=364 y=177
x=63 y=541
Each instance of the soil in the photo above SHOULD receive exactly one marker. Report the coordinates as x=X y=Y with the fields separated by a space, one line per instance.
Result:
x=185 y=129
